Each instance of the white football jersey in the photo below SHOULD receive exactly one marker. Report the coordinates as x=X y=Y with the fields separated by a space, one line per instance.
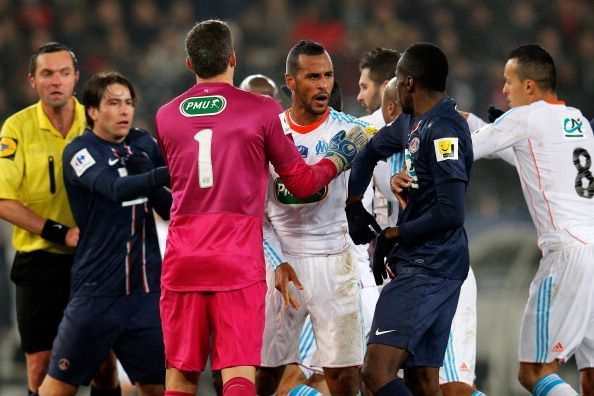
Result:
x=553 y=146
x=316 y=225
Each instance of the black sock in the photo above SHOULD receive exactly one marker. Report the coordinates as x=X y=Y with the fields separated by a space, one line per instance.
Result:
x=106 y=392
x=31 y=393
x=396 y=387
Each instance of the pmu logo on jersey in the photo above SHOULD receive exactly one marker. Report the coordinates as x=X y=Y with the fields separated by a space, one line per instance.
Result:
x=284 y=196
x=8 y=147
x=303 y=150
x=202 y=106
x=446 y=149
x=573 y=128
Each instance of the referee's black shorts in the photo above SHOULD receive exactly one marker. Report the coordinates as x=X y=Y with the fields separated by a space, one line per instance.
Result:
x=42 y=284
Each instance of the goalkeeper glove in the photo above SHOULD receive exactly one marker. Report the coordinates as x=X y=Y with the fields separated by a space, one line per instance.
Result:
x=362 y=225
x=345 y=146
x=383 y=247
x=494 y=113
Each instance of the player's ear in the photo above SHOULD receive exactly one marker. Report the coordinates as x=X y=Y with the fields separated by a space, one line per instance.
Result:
x=232 y=59
x=529 y=86
x=409 y=83
x=290 y=81
x=189 y=64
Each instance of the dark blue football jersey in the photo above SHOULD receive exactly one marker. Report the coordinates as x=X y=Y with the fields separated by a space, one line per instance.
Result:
x=439 y=150
x=118 y=250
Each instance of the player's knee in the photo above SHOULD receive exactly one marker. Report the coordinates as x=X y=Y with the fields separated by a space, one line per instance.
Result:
x=528 y=375
x=37 y=366
x=587 y=382
x=342 y=380
x=372 y=378
x=267 y=380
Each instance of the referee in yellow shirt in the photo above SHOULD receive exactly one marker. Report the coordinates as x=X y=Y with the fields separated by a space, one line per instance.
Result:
x=34 y=200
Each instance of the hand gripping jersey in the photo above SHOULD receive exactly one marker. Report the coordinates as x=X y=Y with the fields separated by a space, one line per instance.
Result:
x=218 y=141
x=316 y=225
x=553 y=146
x=118 y=251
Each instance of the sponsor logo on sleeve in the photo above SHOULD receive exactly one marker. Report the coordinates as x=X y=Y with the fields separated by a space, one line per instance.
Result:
x=573 y=128
x=446 y=149
x=81 y=161
x=198 y=106
x=8 y=147
x=284 y=196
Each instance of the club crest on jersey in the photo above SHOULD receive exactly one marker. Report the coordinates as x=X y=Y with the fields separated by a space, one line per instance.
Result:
x=303 y=150
x=198 y=106
x=573 y=128
x=81 y=161
x=413 y=145
x=284 y=196
x=321 y=147
x=446 y=149
x=8 y=147
x=63 y=364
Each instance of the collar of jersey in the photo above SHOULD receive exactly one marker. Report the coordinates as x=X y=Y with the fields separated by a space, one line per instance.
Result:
x=44 y=122
x=555 y=101
x=305 y=128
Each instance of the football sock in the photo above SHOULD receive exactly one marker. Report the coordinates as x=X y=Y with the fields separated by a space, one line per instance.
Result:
x=396 y=387
x=31 y=393
x=106 y=392
x=552 y=385
x=239 y=386
x=477 y=393
x=303 y=390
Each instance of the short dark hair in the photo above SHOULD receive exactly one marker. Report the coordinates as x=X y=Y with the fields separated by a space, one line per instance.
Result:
x=47 y=48
x=209 y=46
x=535 y=63
x=381 y=63
x=427 y=64
x=303 y=47
x=335 y=100
x=95 y=88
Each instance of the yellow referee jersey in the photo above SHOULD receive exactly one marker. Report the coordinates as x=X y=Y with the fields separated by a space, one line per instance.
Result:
x=31 y=170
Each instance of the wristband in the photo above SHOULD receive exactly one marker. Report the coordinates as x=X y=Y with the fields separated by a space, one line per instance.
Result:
x=54 y=232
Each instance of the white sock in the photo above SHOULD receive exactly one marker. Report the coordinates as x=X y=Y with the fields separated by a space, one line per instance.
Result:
x=552 y=385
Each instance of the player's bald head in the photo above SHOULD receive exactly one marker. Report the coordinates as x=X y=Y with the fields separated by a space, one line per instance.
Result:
x=391 y=91
x=390 y=102
x=261 y=84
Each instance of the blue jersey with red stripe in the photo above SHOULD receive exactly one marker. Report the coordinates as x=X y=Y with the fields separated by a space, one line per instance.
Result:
x=118 y=250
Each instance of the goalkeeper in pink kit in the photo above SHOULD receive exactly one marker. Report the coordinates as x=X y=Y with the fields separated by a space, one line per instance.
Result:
x=217 y=141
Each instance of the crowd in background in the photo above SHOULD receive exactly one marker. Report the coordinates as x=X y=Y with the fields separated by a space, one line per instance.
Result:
x=144 y=39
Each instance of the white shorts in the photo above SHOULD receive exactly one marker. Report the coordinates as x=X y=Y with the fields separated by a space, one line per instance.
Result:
x=460 y=357
x=559 y=317
x=331 y=296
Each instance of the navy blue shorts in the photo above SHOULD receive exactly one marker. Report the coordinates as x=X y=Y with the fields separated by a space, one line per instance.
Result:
x=91 y=326
x=414 y=312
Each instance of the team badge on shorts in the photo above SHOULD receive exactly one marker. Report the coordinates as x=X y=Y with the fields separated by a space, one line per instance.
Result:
x=63 y=364
x=8 y=147
x=446 y=149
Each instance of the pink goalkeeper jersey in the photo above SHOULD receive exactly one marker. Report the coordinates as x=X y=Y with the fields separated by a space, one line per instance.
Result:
x=217 y=141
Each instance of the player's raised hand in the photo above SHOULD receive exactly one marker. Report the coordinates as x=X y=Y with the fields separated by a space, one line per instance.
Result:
x=399 y=183
x=363 y=227
x=344 y=146
x=384 y=243
x=283 y=275
x=494 y=113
